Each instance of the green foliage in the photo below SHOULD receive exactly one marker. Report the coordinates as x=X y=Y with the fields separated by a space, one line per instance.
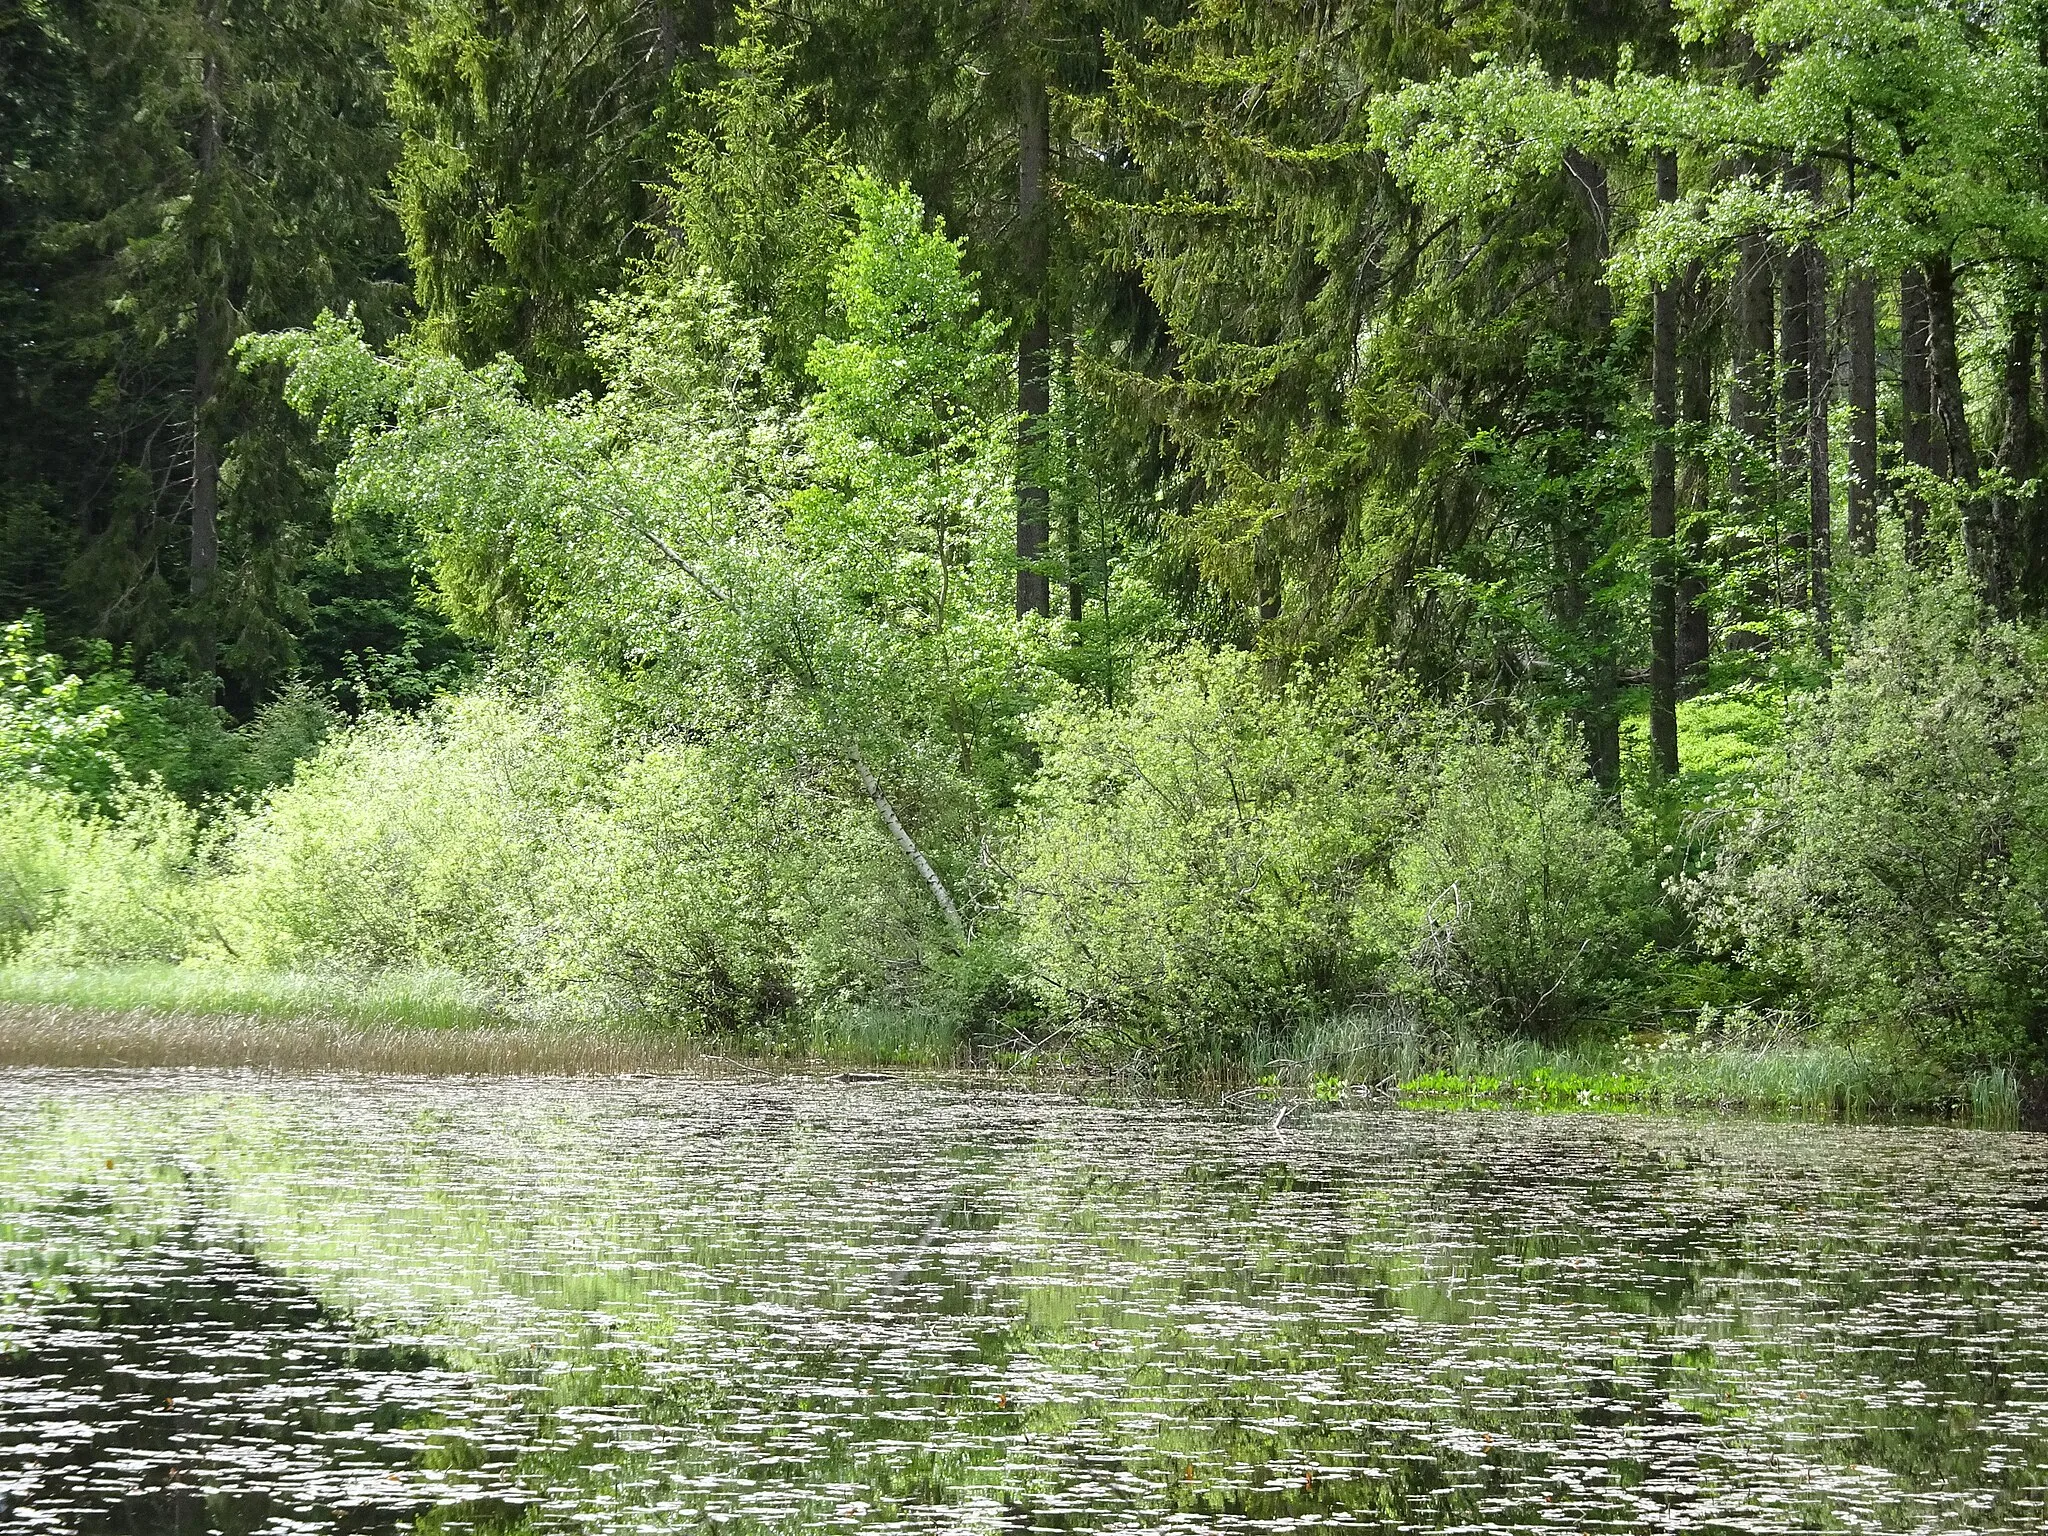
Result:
x=192 y=169
x=1219 y=861
x=820 y=590
x=670 y=895
x=759 y=195
x=408 y=843
x=1518 y=903
x=531 y=134
x=712 y=435
x=82 y=886
x=99 y=735
x=1194 y=864
x=1894 y=869
x=50 y=731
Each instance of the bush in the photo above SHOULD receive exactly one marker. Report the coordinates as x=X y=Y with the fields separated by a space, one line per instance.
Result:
x=406 y=843
x=1894 y=865
x=96 y=731
x=667 y=894
x=1518 y=905
x=52 y=731
x=1193 y=865
x=520 y=846
x=1221 y=860
x=82 y=887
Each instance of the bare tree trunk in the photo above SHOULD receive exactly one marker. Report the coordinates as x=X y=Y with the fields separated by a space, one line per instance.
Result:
x=1980 y=543
x=1598 y=714
x=1664 y=505
x=1076 y=556
x=209 y=336
x=1749 y=415
x=1916 y=406
x=1795 y=382
x=2034 y=535
x=1695 y=405
x=907 y=843
x=1860 y=316
x=1819 y=460
x=2016 y=453
x=1034 y=399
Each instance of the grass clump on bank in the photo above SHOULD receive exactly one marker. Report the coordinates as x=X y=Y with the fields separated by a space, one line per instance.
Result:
x=418 y=1001
x=424 y=1022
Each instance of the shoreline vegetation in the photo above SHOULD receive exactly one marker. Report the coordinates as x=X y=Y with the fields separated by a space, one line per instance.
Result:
x=164 y=1017
x=1212 y=547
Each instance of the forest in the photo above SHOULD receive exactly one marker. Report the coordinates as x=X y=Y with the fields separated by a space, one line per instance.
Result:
x=1206 y=538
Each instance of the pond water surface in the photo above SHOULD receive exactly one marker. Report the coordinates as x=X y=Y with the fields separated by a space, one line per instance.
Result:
x=240 y=1304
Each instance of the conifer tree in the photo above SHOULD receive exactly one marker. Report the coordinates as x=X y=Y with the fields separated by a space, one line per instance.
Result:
x=215 y=166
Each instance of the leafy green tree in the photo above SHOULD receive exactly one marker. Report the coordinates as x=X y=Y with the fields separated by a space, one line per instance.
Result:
x=814 y=583
x=759 y=191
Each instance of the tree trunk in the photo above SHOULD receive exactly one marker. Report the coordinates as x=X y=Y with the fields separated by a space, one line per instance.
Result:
x=209 y=327
x=1034 y=590
x=2033 y=544
x=2015 y=454
x=1795 y=383
x=1598 y=714
x=1916 y=406
x=1077 y=557
x=1820 y=378
x=1953 y=423
x=900 y=835
x=1860 y=317
x=1664 y=505
x=1749 y=414
x=1695 y=405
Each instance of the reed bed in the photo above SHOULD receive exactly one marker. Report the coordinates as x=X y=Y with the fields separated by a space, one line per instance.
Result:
x=60 y=1035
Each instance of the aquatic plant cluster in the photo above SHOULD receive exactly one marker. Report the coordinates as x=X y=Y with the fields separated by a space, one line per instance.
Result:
x=1322 y=563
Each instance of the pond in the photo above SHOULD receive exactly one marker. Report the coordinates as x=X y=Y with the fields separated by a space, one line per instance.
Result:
x=284 y=1304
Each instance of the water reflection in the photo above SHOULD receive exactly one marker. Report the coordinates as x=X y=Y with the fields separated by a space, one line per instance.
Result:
x=811 y=1306
x=180 y=1384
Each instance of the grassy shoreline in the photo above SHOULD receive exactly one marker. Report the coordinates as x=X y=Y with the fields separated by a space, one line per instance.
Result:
x=175 y=1016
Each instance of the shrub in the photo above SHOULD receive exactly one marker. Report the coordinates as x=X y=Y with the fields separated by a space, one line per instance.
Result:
x=96 y=731
x=79 y=886
x=667 y=894
x=1192 y=865
x=1517 y=903
x=405 y=843
x=520 y=846
x=52 y=731
x=1894 y=864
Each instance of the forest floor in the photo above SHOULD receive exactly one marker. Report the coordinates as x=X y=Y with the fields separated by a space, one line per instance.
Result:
x=190 y=1017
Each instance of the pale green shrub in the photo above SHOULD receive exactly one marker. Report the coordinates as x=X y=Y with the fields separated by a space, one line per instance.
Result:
x=1222 y=860
x=79 y=886
x=404 y=843
x=38 y=830
x=1193 y=865
x=1893 y=869
x=668 y=893
x=522 y=847
x=1517 y=903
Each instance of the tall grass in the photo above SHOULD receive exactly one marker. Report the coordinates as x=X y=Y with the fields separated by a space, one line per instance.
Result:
x=420 y=1022
x=419 y=1000
x=52 y=1035
x=1771 y=1073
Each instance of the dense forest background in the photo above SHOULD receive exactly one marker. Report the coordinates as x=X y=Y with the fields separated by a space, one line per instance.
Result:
x=1146 y=530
